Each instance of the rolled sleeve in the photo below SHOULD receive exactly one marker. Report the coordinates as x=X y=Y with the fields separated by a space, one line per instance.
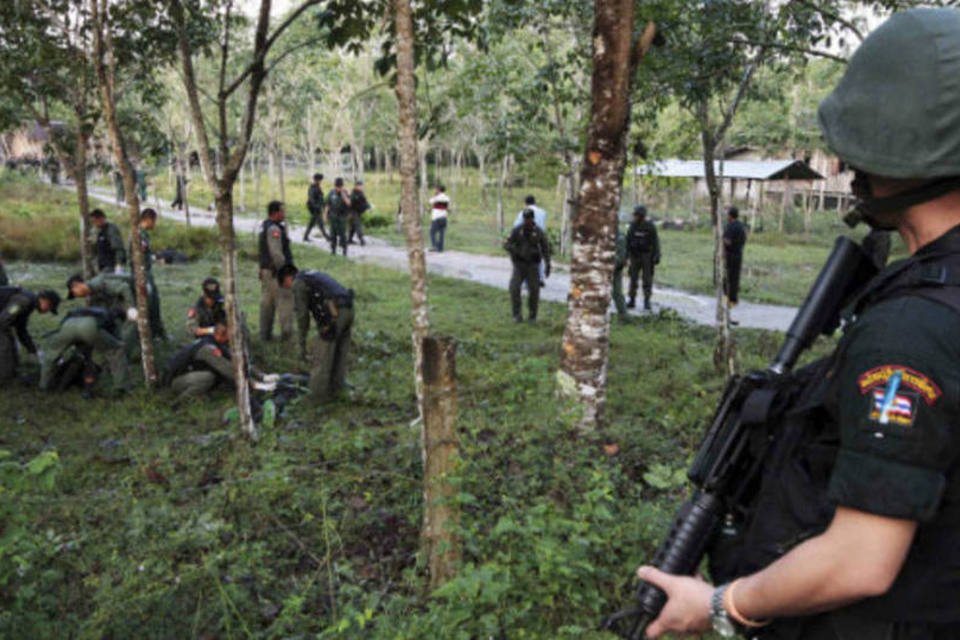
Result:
x=886 y=487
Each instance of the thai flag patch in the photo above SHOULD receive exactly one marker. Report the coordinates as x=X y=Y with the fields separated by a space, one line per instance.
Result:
x=895 y=408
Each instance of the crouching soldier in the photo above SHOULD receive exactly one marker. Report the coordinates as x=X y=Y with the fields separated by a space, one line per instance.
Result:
x=208 y=310
x=81 y=333
x=197 y=368
x=114 y=292
x=16 y=305
x=331 y=305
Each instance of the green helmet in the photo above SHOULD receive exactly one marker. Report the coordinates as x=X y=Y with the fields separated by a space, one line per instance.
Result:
x=896 y=112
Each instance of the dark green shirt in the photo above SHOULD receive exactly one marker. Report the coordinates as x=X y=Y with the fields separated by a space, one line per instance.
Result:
x=337 y=204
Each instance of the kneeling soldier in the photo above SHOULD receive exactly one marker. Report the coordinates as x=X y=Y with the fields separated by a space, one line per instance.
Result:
x=331 y=305
x=198 y=367
x=16 y=305
x=82 y=332
x=207 y=311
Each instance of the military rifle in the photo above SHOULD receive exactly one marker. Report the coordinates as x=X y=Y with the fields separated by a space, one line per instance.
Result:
x=725 y=470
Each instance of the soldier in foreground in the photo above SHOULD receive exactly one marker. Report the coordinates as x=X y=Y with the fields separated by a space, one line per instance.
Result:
x=643 y=247
x=527 y=246
x=330 y=304
x=111 y=256
x=16 y=305
x=274 y=247
x=855 y=533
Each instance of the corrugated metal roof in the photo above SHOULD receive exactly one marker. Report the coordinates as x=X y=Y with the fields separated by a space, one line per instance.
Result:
x=738 y=169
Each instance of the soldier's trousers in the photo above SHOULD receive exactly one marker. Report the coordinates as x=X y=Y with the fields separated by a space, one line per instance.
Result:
x=842 y=625
x=8 y=356
x=274 y=299
x=641 y=262
x=316 y=220
x=528 y=272
x=329 y=369
x=338 y=233
x=356 y=227
x=734 y=263
x=85 y=333
x=193 y=383
x=617 y=296
x=153 y=308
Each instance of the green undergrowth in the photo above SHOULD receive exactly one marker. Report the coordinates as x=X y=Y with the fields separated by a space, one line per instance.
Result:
x=144 y=516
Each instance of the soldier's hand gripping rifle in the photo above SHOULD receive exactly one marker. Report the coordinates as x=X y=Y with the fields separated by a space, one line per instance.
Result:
x=727 y=463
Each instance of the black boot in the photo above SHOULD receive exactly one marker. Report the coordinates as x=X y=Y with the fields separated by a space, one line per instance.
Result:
x=646 y=303
x=632 y=303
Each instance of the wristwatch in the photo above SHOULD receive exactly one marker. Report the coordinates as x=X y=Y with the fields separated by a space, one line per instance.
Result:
x=722 y=623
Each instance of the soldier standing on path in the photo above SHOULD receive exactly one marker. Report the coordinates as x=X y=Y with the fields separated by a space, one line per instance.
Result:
x=16 y=305
x=111 y=256
x=643 y=247
x=82 y=332
x=359 y=205
x=274 y=247
x=118 y=185
x=331 y=305
x=141 y=178
x=315 y=205
x=734 y=237
x=527 y=246
x=181 y=188
x=338 y=212
x=148 y=222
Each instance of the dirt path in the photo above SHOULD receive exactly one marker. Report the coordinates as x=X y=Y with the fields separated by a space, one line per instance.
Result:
x=494 y=271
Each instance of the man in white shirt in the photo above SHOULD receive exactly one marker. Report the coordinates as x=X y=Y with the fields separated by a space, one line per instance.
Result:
x=439 y=208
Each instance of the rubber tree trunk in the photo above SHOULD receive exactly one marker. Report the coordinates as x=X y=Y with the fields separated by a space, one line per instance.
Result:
x=583 y=366
x=501 y=180
x=410 y=210
x=106 y=75
x=441 y=517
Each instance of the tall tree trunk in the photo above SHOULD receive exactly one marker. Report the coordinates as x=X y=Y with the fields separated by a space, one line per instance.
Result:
x=106 y=76
x=79 y=175
x=407 y=106
x=583 y=366
x=724 y=352
x=501 y=180
x=280 y=174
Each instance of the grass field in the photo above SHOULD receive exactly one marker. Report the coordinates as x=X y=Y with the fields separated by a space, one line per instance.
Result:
x=145 y=517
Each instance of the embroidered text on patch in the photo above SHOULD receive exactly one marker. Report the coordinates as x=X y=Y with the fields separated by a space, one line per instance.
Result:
x=878 y=377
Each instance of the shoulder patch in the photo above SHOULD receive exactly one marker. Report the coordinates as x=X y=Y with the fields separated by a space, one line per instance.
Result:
x=275 y=233
x=899 y=376
x=191 y=313
x=216 y=351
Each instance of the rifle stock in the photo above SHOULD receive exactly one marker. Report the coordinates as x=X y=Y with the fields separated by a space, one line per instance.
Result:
x=723 y=458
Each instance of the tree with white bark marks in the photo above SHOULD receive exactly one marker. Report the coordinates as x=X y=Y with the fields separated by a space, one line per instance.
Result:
x=617 y=50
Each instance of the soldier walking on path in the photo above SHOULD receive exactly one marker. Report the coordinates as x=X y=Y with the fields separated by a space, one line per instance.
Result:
x=274 y=246
x=527 y=246
x=734 y=237
x=16 y=305
x=331 y=305
x=643 y=248
x=315 y=205
x=539 y=217
x=181 y=188
x=111 y=256
x=359 y=205
x=338 y=214
x=82 y=332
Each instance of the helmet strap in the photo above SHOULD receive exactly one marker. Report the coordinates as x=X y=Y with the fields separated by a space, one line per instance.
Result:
x=869 y=207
